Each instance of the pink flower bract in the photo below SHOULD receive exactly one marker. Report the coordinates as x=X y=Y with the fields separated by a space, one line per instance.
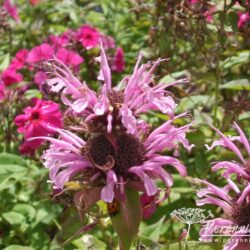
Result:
x=11 y=76
x=119 y=62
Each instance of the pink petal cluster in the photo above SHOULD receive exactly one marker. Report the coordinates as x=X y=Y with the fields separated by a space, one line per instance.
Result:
x=240 y=168
x=243 y=21
x=11 y=9
x=120 y=150
x=233 y=198
x=34 y=2
x=40 y=53
x=88 y=36
x=39 y=120
x=11 y=76
x=149 y=205
x=119 y=62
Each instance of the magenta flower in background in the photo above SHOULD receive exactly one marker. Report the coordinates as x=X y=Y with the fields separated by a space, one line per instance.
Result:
x=208 y=14
x=11 y=76
x=119 y=62
x=119 y=149
x=40 y=53
x=34 y=2
x=27 y=148
x=69 y=57
x=19 y=59
x=88 y=36
x=2 y=91
x=149 y=205
x=60 y=40
x=108 y=42
x=243 y=21
x=11 y=9
x=241 y=169
x=40 y=120
x=40 y=78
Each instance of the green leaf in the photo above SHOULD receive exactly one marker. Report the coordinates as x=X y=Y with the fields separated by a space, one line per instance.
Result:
x=6 y=158
x=13 y=218
x=26 y=210
x=191 y=102
x=176 y=75
x=18 y=247
x=241 y=84
x=126 y=222
x=5 y=62
x=153 y=231
x=31 y=93
x=239 y=59
x=88 y=241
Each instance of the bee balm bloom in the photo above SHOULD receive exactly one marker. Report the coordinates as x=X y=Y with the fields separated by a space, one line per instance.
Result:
x=233 y=198
x=118 y=149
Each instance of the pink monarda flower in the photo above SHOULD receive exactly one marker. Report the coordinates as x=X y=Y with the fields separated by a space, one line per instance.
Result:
x=11 y=76
x=11 y=9
x=243 y=21
x=119 y=62
x=233 y=198
x=40 y=53
x=118 y=149
x=40 y=120
x=88 y=36
x=241 y=168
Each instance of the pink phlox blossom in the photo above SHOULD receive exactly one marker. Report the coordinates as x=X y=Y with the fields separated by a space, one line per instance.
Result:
x=11 y=9
x=39 y=120
x=88 y=36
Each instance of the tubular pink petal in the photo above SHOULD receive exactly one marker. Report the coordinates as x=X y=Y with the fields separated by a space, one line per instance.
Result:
x=243 y=137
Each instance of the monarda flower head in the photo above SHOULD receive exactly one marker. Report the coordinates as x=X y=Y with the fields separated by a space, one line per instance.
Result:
x=113 y=149
x=233 y=198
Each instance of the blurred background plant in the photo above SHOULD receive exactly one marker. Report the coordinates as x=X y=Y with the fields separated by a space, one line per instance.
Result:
x=206 y=41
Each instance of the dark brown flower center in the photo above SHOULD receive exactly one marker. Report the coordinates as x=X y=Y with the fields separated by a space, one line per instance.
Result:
x=126 y=150
x=241 y=215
